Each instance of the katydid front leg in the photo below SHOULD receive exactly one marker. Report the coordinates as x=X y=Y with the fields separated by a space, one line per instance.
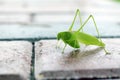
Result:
x=77 y=13
x=64 y=48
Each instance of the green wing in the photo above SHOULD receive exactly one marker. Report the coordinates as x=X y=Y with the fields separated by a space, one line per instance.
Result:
x=88 y=39
x=69 y=38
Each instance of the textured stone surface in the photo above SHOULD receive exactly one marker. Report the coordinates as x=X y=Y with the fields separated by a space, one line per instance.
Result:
x=15 y=60
x=90 y=61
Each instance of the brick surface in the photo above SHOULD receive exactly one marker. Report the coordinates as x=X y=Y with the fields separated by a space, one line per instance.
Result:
x=50 y=17
x=104 y=10
x=14 y=18
x=88 y=62
x=15 y=60
x=51 y=30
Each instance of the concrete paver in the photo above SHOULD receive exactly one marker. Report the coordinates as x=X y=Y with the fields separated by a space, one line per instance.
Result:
x=90 y=61
x=15 y=60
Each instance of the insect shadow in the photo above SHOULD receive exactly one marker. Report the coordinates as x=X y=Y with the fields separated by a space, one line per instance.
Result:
x=79 y=53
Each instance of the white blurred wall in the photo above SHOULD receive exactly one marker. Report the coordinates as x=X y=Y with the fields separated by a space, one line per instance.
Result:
x=56 y=11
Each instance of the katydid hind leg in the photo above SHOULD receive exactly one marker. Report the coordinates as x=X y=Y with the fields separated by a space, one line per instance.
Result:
x=94 y=24
x=91 y=17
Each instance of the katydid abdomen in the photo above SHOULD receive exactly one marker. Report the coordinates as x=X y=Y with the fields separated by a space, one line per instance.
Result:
x=88 y=39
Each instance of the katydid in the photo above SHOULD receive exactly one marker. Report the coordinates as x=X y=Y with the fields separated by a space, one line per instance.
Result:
x=74 y=38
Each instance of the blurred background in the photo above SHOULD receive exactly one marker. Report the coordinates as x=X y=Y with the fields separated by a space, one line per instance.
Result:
x=36 y=19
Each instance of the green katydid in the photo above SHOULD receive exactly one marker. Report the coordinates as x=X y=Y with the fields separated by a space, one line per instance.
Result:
x=74 y=38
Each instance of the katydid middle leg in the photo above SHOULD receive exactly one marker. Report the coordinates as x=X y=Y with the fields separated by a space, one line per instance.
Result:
x=79 y=15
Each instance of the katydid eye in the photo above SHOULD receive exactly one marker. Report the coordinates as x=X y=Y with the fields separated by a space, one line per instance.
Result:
x=67 y=35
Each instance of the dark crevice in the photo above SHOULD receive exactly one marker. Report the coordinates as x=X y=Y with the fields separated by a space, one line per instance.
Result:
x=27 y=39
x=44 y=38
x=32 y=77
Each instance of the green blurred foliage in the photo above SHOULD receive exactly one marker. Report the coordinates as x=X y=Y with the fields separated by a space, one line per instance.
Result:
x=117 y=0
